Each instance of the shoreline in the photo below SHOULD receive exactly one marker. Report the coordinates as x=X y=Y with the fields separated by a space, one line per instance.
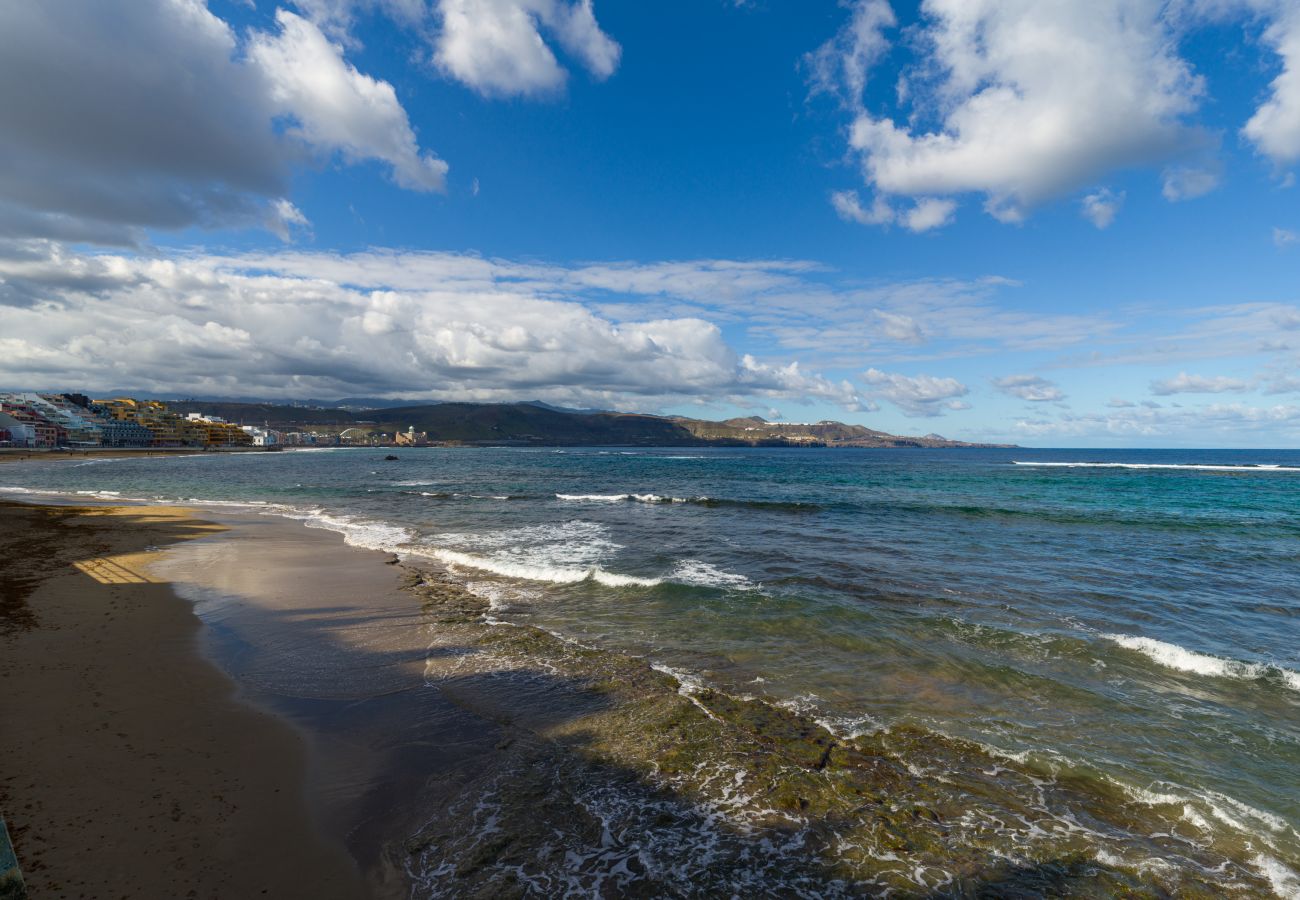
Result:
x=131 y=768
x=458 y=756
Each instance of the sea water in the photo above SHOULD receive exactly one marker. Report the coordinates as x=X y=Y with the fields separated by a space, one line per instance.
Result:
x=1126 y=619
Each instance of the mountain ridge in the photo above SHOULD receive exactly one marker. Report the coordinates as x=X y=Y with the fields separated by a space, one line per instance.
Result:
x=544 y=425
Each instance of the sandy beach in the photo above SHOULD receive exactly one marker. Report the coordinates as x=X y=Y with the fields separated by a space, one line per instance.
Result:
x=131 y=768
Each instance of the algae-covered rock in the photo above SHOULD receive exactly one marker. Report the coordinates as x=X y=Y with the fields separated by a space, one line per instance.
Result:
x=614 y=779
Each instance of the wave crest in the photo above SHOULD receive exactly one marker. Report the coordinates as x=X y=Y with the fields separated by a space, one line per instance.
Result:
x=1172 y=656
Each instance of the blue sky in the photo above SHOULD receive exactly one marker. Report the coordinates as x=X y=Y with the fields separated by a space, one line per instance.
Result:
x=1054 y=224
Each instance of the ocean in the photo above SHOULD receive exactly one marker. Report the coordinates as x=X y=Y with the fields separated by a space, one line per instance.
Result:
x=1116 y=631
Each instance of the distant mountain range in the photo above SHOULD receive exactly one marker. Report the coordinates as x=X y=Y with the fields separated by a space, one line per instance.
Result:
x=544 y=425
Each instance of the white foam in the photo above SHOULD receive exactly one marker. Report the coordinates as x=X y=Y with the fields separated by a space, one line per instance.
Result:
x=365 y=533
x=698 y=572
x=618 y=498
x=568 y=542
x=511 y=568
x=1173 y=656
x=413 y=483
x=1195 y=467
x=238 y=504
x=1285 y=882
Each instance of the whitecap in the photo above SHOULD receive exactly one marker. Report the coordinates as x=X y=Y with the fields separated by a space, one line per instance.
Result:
x=1172 y=656
x=513 y=568
x=1195 y=467
x=703 y=574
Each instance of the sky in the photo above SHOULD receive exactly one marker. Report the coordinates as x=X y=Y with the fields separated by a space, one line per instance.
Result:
x=1073 y=223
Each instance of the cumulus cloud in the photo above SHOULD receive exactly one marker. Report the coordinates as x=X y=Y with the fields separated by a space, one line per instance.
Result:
x=925 y=214
x=1183 y=383
x=336 y=108
x=1275 y=126
x=1034 y=388
x=918 y=395
x=848 y=206
x=283 y=326
x=929 y=212
x=1035 y=100
x=1022 y=101
x=149 y=115
x=1101 y=207
x=497 y=46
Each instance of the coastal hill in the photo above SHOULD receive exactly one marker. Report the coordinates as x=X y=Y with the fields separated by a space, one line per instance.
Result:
x=540 y=424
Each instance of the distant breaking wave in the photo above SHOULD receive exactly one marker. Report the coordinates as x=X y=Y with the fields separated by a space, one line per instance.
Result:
x=688 y=572
x=1172 y=656
x=788 y=505
x=1200 y=467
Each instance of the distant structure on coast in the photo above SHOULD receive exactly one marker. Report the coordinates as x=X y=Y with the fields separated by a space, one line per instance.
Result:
x=74 y=421
x=37 y=421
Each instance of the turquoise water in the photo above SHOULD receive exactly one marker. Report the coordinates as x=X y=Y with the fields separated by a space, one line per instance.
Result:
x=1133 y=621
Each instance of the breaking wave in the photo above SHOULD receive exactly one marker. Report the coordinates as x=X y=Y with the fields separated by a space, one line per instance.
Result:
x=1194 y=467
x=1172 y=656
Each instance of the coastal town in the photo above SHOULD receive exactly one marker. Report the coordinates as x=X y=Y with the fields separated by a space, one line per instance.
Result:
x=45 y=421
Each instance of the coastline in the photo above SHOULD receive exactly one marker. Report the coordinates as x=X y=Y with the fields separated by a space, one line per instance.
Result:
x=17 y=455
x=455 y=756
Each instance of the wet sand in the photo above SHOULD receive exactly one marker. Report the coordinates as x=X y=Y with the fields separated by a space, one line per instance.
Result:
x=130 y=767
x=17 y=455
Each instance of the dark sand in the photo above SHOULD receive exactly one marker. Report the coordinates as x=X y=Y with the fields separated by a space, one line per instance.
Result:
x=17 y=455
x=130 y=768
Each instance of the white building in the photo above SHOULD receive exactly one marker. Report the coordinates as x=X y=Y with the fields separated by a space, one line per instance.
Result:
x=262 y=437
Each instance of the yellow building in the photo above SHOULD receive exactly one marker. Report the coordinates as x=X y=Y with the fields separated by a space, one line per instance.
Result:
x=165 y=426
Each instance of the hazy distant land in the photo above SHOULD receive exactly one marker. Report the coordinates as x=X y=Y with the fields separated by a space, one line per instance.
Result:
x=540 y=424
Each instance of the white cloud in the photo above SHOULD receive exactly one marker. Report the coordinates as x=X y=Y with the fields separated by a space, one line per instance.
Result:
x=1029 y=387
x=497 y=47
x=1034 y=99
x=1188 y=182
x=1284 y=237
x=1101 y=207
x=1183 y=383
x=149 y=115
x=918 y=395
x=1282 y=384
x=288 y=325
x=337 y=108
x=843 y=63
x=1275 y=126
x=925 y=214
x=1022 y=101
x=1230 y=424
x=929 y=212
x=848 y=205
